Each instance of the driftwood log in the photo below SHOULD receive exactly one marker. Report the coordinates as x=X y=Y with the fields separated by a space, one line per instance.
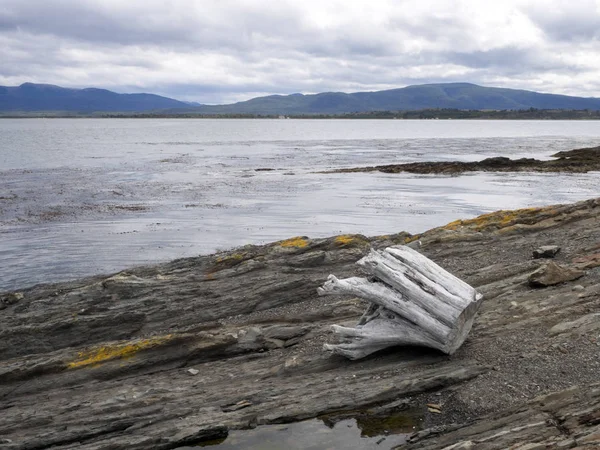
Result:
x=413 y=302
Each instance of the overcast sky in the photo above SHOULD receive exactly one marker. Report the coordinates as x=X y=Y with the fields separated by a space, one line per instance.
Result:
x=221 y=51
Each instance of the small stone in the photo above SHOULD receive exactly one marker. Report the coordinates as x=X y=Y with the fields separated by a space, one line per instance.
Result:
x=274 y=343
x=578 y=287
x=236 y=406
x=551 y=274
x=12 y=298
x=433 y=410
x=546 y=251
x=250 y=337
x=414 y=244
x=193 y=371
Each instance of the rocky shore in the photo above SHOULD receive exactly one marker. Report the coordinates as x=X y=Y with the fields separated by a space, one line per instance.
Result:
x=181 y=353
x=580 y=160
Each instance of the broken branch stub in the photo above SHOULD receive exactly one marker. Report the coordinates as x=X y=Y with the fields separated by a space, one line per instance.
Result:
x=413 y=302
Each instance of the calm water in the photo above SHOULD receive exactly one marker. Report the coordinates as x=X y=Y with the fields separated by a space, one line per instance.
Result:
x=87 y=196
x=363 y=433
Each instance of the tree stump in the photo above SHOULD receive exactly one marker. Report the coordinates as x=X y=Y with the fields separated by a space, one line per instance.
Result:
x=413 y=302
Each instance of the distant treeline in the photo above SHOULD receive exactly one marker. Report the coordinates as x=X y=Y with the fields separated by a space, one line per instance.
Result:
x=432 y=114
x=519 y=114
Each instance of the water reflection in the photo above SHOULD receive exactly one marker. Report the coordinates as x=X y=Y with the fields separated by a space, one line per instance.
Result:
x=362 y=432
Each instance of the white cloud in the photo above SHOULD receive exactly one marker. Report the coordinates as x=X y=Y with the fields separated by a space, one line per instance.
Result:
x=221 y=51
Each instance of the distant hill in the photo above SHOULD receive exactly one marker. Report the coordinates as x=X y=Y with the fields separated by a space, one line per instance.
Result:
x=462 y=96
x=46 y=97
x=418 y=97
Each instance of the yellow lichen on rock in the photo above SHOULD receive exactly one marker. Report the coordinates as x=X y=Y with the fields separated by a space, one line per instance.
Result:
x=352 y=240
x=498 y=219
x=412 y=238
x=228 y=261
x=344 y=239
x=295 y=242
x=233 y=258
x=453 y=225
x=99 y=355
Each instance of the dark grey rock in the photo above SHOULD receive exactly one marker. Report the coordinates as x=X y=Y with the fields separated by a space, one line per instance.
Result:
x=546 y=251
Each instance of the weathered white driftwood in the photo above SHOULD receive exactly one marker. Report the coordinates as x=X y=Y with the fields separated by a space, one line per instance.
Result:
x=413 y=302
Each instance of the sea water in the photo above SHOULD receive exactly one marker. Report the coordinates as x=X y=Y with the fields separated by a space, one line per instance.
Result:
x=87 y=196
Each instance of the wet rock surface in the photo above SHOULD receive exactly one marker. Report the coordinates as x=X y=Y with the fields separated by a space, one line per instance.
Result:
x=106 y=362
x=572 y=161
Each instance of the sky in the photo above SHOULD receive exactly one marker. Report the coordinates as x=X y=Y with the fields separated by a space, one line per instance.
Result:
x=223 y=51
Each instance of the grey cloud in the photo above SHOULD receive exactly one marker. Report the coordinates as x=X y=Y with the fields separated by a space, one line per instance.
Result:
x=253 y=48
x=243 y=29
x=509 y=60
x=436 y=28
x=577 y=22
x=25 y=53
x=89 y=21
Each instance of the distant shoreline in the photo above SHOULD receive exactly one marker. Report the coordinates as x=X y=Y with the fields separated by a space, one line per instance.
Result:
x=427 y=114
x=580 y=160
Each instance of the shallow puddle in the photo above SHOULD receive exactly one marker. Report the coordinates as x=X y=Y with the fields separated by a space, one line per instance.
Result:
x=362 y=432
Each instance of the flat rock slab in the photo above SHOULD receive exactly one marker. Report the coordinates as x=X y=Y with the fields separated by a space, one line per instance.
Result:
x=104 y=362
x=565 y=419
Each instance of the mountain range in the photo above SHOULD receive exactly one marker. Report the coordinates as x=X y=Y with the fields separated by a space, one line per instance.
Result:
x=31 y=97
x=46 y=97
